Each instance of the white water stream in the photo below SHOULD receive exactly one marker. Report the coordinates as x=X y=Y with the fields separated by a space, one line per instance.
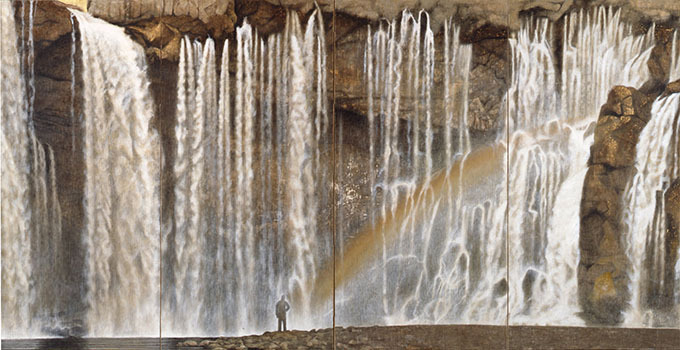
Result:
x=31 y=215
x=240 y=237
x=122 y=180
x=448 y=263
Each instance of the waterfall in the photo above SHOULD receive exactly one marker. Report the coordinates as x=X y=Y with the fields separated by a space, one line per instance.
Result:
x=73 y=83
x=459 y=231
x=300 y=177
x=601 y=52
x=656 y=166
x=415 y=270
x=28 y=56
x=31 y=215
x=16 y=214
x=121 y=200
x=256 y=230
x=193 y=126
x=539 y=161
x=548 y=164
x=445 y=261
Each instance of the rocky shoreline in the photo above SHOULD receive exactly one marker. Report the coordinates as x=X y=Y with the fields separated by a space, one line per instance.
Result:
x=447 y=337
x=415 y=337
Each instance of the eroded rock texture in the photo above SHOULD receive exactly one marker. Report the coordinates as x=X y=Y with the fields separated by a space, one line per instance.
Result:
x=672 y=206
x=132 y=10
x=602 y=274
x=603 y=283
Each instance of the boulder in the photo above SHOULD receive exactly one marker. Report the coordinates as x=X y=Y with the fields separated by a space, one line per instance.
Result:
x=602 y=278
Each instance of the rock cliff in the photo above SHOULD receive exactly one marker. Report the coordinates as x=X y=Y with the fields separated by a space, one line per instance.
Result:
x=602 y=276
x=496 y=12
x=603 y=283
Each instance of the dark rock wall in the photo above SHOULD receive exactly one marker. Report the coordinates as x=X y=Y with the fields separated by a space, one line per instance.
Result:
x=55 y=127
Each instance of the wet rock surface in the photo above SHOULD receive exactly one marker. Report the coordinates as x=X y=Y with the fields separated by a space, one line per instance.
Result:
x=602 y=273
x=603 y=282
x=672 y=208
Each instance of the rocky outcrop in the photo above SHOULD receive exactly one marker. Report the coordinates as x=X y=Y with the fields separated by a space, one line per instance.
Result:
x=477 y=13
x=50 y=21
x=645 y=10
x=672 y=211
x=660 y=59
x=672 y=206
x=129 y=11
x=506 y=12
x=161 y=36
x=445 y=337
x=498 y=12
x=603 y=282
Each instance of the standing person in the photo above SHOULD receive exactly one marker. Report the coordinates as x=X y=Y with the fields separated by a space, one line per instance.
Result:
x=281 y=308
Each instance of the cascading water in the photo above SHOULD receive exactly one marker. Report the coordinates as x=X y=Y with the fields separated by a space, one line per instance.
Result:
x=653 y=283
x=446 y=261
x=250 y=181
x=16 y=214
x=122 y=168
x=549 y=163
x=239 y=239
x=31 y=215
x=73 y=83
x=430 y=266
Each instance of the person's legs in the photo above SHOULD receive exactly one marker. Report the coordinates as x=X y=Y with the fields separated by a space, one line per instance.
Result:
x=280 y=321
x=284 y=325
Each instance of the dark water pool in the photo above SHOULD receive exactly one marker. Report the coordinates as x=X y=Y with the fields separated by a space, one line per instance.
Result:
x=91 y=343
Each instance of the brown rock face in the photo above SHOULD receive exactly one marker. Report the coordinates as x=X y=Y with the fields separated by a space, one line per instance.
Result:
x=660 y=59
x=50 y=21
x=603 y=283
x=672 y=206
x=134 y=10
x=494 y=12
x=161 y=36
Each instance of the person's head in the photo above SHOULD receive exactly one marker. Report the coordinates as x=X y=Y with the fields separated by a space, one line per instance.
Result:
x=283 y=297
